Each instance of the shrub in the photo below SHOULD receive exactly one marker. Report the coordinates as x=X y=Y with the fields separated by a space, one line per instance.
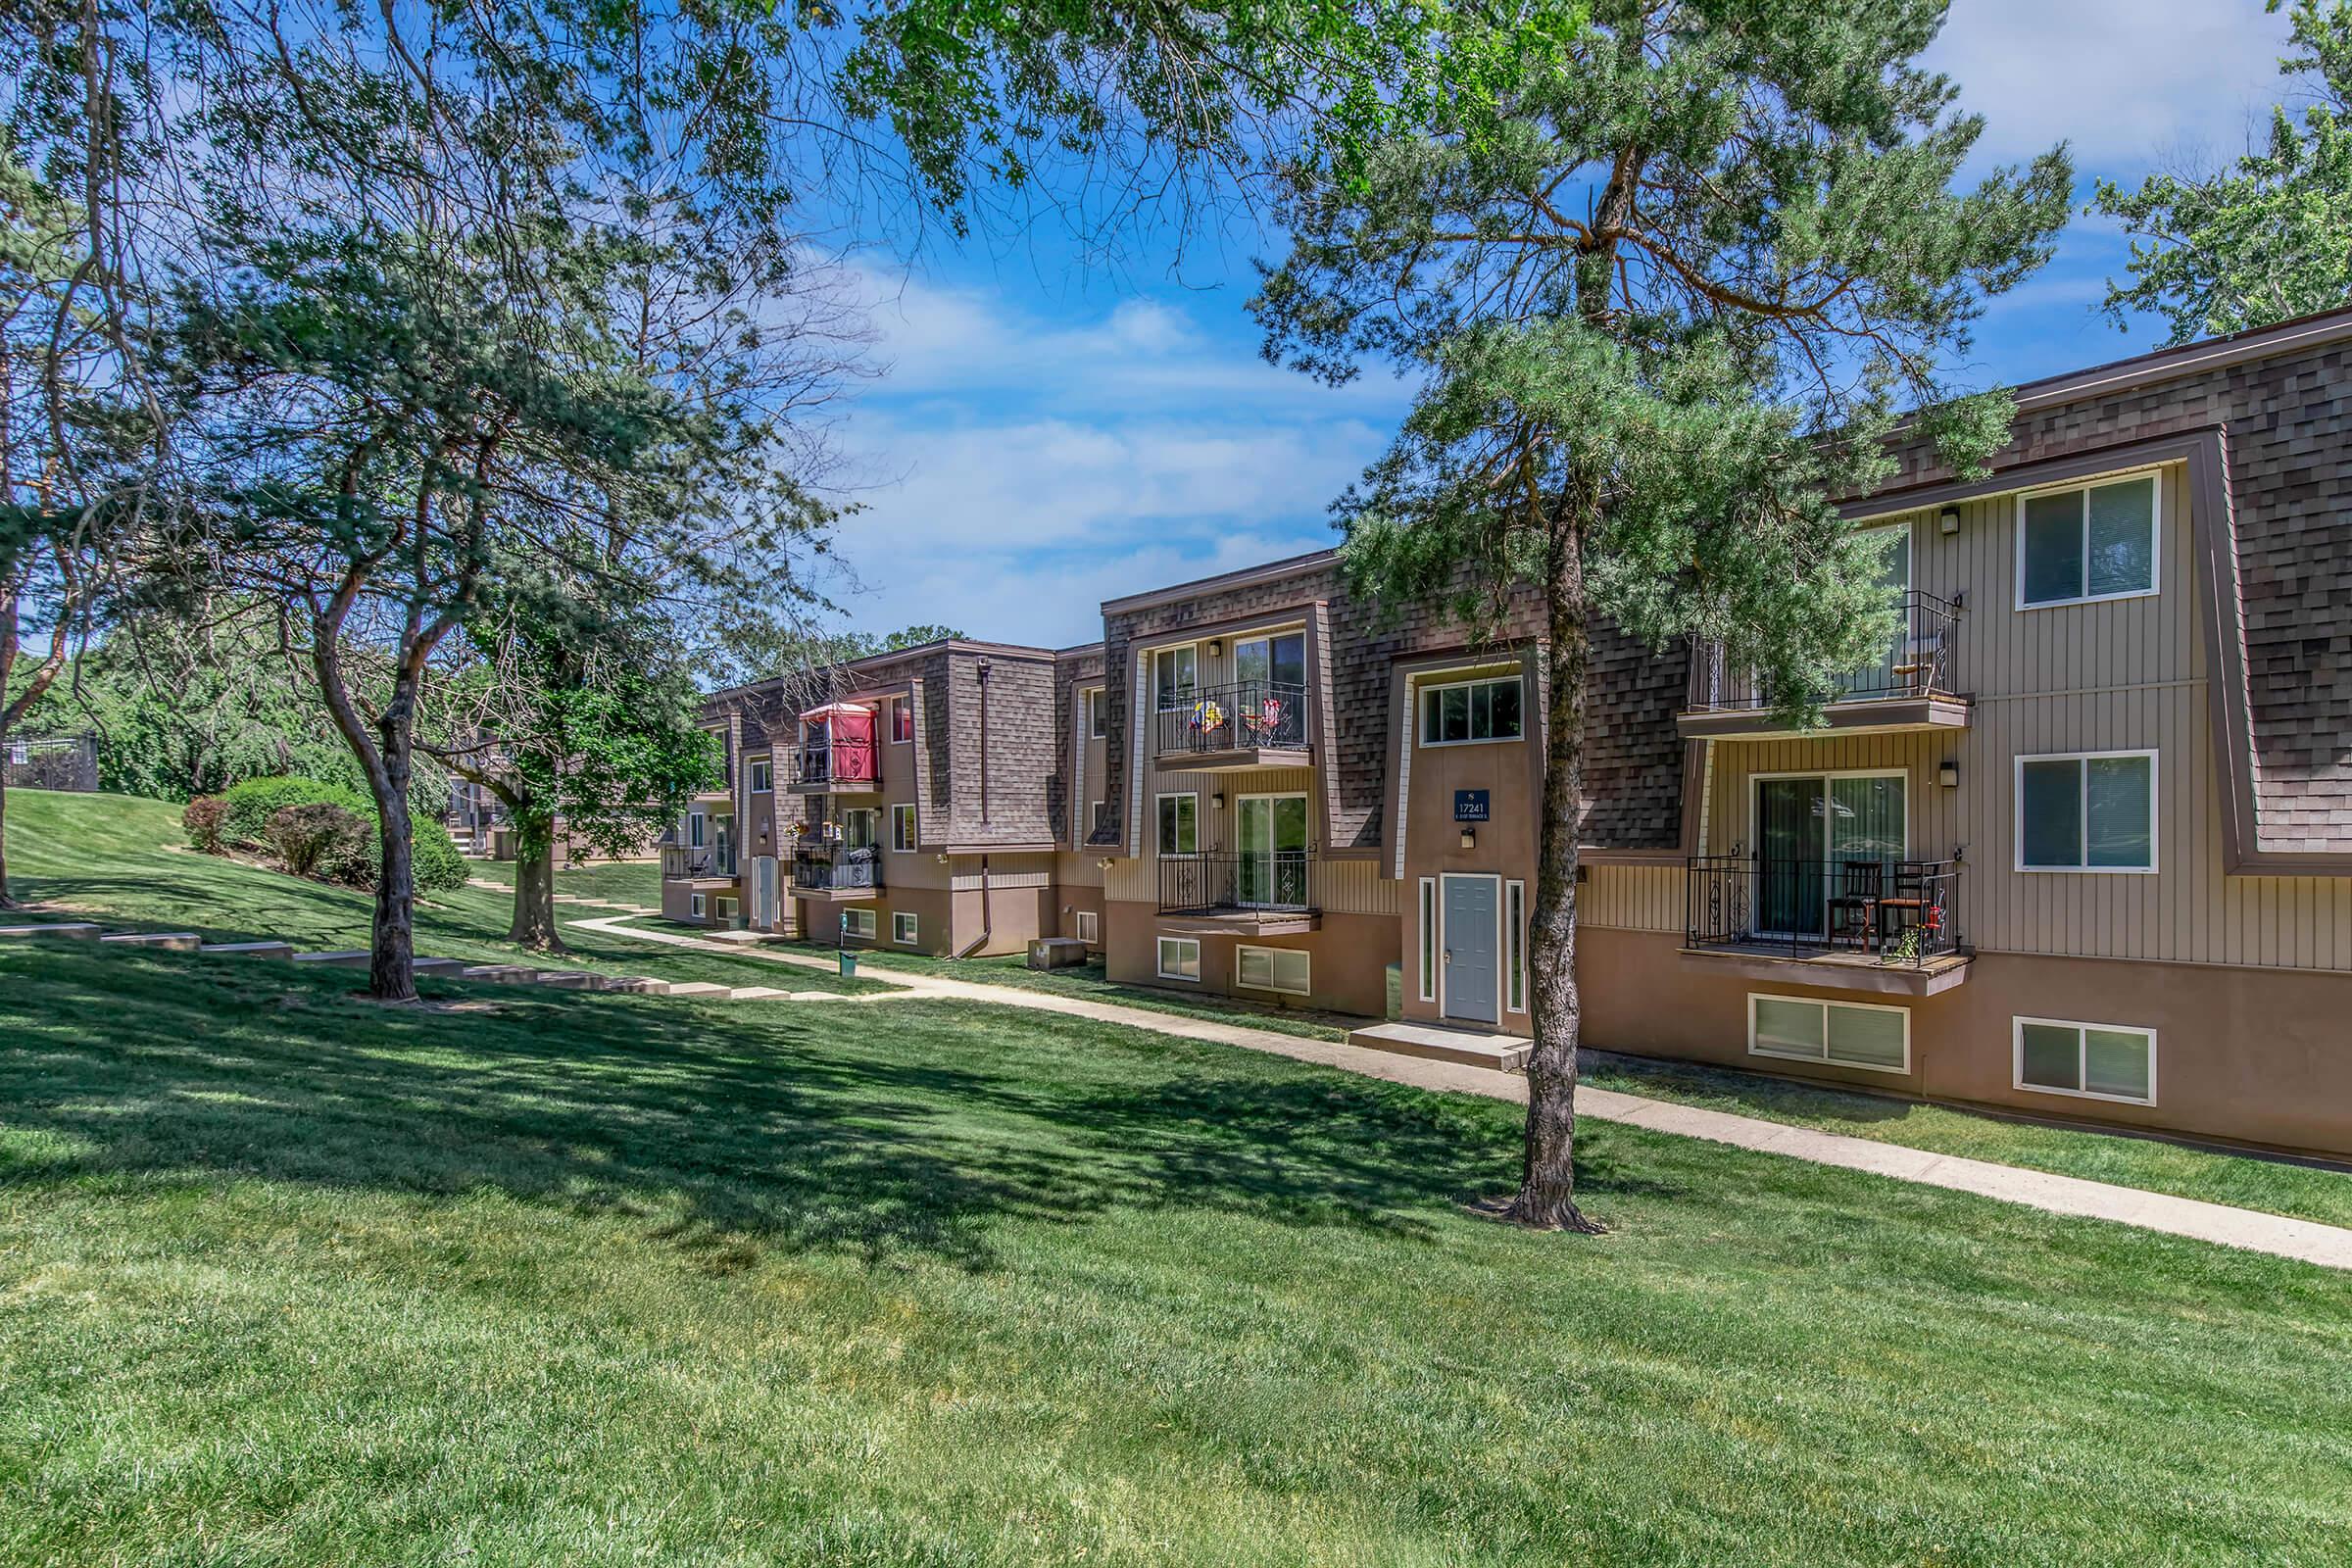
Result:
x=318 y=838
x=203 y=819
x=252 y=803
x=439 y=866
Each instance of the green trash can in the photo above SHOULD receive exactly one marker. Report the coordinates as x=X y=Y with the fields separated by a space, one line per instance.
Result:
x=849 y=964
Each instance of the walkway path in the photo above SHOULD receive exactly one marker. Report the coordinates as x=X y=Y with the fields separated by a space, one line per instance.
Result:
x=2327 y=1244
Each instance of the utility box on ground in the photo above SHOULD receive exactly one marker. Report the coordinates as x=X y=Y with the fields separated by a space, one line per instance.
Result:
x=1056 y=953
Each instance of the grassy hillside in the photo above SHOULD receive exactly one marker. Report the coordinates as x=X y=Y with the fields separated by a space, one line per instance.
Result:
x=125 y=860
x=286 y=1278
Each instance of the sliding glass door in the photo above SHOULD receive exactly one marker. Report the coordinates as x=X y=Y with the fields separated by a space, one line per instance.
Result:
x=1823 y=837
x=1272 y=869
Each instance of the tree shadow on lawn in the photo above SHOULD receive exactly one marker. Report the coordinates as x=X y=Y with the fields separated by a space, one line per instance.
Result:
x=911 y=1130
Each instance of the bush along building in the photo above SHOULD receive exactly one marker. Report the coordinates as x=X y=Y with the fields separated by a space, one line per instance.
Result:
x=2079 y=844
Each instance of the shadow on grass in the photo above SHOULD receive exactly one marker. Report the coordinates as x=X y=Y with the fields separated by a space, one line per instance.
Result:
x=915 y=1128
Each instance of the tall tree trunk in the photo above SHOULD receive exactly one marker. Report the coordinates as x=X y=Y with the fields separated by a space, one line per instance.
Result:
x=534 y=924
x=392 y=955
x=1546 y=1197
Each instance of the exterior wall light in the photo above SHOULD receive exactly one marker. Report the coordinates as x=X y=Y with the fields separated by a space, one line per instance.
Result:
x=1469 y=837
x=1947 y=774
x=1948 y=521
x=1218 y=800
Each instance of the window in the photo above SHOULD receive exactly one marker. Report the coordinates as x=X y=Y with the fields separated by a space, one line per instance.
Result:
x=1173 y=675
x=1281 y=969
x=1514 y=961
x=1429 y=939
x=1470 y=710
x=1179 y=827
x=902 y=719
x=763 y=775
x=2096 y=1062
x=860 y=828
x=1179 y=958
x=1844 y=1034
x=902 y=929
x=695 y=829
x=695 y=905
x=857 y=923
x=2091 y=812
x=902 y=829
x=725 y=910
x=1088 y=927
x=1277 y=661
x=2093 y=542
x=1101 y=814
x=1096 y=726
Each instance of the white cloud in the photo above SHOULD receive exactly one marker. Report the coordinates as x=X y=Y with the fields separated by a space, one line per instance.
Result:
x=2128 y=82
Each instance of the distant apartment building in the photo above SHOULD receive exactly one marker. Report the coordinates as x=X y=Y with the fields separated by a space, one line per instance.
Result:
x=2079 y=844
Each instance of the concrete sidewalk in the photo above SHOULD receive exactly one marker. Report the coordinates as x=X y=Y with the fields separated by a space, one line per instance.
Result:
x=2251 y=1231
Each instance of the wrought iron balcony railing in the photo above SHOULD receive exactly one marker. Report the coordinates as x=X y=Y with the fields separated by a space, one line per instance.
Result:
x=680 y=862
x=836 y=763
x=1219 y=883
x=817 y=869
x=1242 y=715
x=1904 y=911
x=1918 y=662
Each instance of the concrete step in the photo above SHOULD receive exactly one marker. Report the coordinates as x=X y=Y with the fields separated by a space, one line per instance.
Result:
x=445 y=967
x=504 y=974
x=79 y=931
x=744 y=939
x=170 y=941
x=249 y=950
x=699 y=988
x=1471 y=1048
x=346 y=958
x=641 y=985
x=569 y=980
x=755 y=992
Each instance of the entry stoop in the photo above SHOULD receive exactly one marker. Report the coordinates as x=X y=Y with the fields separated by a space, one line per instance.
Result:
x=1471 y=1048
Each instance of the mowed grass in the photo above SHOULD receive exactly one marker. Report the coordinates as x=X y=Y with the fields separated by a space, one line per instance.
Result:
x=1090 y=982
x=124 y=861
x=286 y=1278
x=637 y=882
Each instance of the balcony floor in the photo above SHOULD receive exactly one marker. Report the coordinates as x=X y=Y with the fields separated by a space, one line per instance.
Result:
x=1833 y=968
x=1877 y=715
x=1236 y=757
x=1240 y=923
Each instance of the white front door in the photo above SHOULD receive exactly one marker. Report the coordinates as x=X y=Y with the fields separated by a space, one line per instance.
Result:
x=763 y=892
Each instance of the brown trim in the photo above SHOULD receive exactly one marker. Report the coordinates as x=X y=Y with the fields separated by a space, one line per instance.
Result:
x=1228 y=629
x=1245 y=577
x=1882 y=716
x=2188 y=359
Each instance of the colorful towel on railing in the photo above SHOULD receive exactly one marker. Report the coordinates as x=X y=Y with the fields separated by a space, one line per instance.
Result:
x=1269 y=717
x=1207 y=715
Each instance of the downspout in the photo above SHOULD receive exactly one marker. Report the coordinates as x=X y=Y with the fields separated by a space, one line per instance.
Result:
x=987 y=920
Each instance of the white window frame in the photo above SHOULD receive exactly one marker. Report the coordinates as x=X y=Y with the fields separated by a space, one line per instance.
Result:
x=763 y=769
x=1099 y=812
x=1159 y=958
x=1304 y=989
x=907 y=817
x=1423 y=693
x=1088 y=927
x=2155 y=482
x=1096 y=726
x=1160 y=698
x=2017 y=1057
x=904 y=928
x=1429 y=939
x=719 y=910
x=1193 y=796
x=696 y=831
x=2017 y=809
x=873 y=827
x=1825 y=1060
x=698 y=907
x=1514 y=949
x=859 y=923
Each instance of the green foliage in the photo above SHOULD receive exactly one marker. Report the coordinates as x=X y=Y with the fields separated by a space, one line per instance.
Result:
x=2268 y=239
x=204 y=817
x=248 y=807
x=318 y=839
x=1662 y=315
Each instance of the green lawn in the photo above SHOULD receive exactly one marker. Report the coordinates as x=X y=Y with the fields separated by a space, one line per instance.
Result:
x=616 y=881
x=1089 y=982
x=124 y=861
x=287 y=1278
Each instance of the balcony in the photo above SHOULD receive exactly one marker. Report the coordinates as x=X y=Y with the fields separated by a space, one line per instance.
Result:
x=1910 y=688
x=1888 y=926
x=706 y=863
x=1263 y=893
x=828 y=872
x=1255 y=723
x=838 y=768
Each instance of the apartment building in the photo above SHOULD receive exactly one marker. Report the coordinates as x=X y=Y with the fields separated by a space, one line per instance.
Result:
x=918 y=807
x=2079 y=844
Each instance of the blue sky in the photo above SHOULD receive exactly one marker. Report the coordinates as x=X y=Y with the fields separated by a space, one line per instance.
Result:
x=1045 y=437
